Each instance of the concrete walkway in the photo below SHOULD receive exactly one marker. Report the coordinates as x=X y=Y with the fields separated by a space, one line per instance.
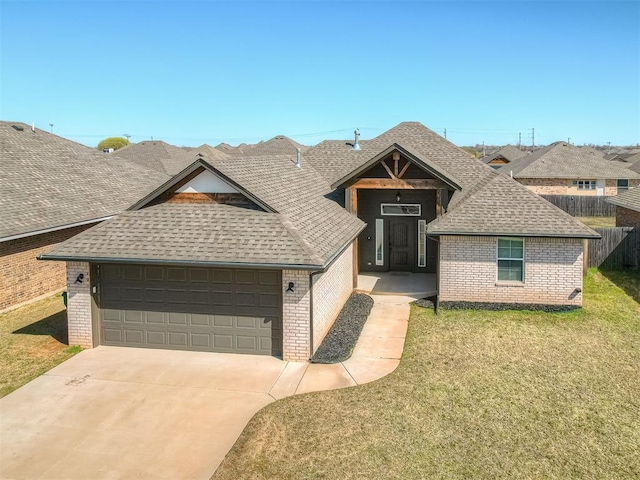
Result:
x=115 y=412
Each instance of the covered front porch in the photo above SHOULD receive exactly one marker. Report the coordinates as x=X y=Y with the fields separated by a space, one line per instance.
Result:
x=417 y=285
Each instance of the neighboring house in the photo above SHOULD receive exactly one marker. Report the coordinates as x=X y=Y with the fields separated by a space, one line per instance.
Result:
x=259 y=254
x=563 y=169
x=627 y=208
x=279 y=145
x=593 y=150
x=503 y=156
x=157 y=155
x=229 y=150
x=53 y=189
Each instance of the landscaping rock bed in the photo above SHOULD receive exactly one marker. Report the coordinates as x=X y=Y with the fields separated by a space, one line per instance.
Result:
x=427 y=302
x=338 y=345
x=505 y=306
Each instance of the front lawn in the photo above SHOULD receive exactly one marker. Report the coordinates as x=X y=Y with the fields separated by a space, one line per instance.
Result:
x=33 y=339
x=477 y=395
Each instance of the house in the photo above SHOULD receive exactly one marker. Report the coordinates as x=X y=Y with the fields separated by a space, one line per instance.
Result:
x=564 y=169
x=278 y=145
x=503 y=156
x=157 y=155
x=258 y=254
x=627 y=208
x=53 y=189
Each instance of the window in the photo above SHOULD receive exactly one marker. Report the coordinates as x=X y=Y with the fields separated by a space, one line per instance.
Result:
x=422 y=243
x=585 y=184
x=379 y=241
x=623 y=185
x=401 y=209
x=511 y=259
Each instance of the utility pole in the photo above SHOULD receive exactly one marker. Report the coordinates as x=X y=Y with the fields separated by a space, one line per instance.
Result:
x=569 y=140
x=608 y=147
x=127 y=136
x=51 y=125
x=519 y=140
x=533 y=139
x=484 y=153
x=445 y=133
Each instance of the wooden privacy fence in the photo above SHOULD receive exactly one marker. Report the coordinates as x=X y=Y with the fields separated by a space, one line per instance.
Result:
x=618 y=249
x=582 y=206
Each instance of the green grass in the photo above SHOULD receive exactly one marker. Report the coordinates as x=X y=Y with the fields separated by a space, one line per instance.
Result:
x=598 y=222
x=478 y=394
x=33 y=339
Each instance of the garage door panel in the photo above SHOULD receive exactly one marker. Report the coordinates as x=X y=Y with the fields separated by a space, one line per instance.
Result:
x=221 y=310
x=155 y=318
x=177 y=339
x=177 y=318
x=156 y=338
x=133 y=316
x=134 y=337
x=152 y=274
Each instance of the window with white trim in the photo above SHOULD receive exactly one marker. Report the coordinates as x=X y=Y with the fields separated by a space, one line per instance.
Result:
x=422 y=243
x=379 y=241
x=511 y=259
x=585 y=184
x=401 y=209
x=623 y=185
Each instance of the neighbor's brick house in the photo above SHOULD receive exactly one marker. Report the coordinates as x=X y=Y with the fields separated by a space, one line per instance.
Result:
x=53 y=189
x=627 y=208
x=243 y=256
x=564 y=169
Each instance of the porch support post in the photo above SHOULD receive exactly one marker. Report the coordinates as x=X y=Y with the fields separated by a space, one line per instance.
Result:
x=352 y=194
x=440 y=193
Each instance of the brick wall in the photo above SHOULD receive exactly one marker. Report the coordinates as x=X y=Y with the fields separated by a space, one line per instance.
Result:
x=559 y=186
x=553 y=271
x=79 y=305
x=22 y=277
x=331 y=290
x=626 y=217
x=295 y=316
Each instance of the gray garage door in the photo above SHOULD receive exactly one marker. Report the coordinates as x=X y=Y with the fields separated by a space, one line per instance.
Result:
x=188 y=308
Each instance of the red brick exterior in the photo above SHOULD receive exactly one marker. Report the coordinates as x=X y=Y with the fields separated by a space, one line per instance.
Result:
x=22 y=277
x=626 y=217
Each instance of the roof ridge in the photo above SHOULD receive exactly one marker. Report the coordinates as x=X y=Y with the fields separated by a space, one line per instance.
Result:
x=297 y=236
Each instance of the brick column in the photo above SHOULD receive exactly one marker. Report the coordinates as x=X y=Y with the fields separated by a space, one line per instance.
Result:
x=295 y=316
x=79 y=305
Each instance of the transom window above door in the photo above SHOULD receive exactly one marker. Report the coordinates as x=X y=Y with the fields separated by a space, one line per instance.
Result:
x=401 y=209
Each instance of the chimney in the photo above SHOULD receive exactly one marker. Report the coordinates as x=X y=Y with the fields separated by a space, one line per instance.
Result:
x=356 y=145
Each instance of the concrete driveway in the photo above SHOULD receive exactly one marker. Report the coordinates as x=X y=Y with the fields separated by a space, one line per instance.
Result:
x=117 y=412
x=133 y=413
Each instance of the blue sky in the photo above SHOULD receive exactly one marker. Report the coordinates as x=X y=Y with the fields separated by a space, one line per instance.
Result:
x=194 y=72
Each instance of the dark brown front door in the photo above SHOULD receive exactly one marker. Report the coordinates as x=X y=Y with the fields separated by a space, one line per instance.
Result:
x=402 y=244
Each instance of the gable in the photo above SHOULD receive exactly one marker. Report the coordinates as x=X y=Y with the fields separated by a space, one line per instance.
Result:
x=398 y=164
x=206 y=182
x=199 y=183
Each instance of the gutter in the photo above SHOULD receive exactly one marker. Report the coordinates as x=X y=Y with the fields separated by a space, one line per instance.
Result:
x=54 y=229
x=513 y=234
x=187 y=263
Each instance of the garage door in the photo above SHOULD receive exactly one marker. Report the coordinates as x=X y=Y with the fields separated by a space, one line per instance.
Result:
x=183 y=308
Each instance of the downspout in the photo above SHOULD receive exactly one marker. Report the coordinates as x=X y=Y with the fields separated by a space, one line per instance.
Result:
x=436 y=303
x=311 y=312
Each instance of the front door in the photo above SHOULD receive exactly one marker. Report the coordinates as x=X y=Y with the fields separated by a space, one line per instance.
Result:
x=402 y=244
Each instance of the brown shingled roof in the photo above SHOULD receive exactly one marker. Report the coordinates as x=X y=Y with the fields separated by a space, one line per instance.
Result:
x=156 y=155
x=629 y=199
x=561 y=160
x=48 y=181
